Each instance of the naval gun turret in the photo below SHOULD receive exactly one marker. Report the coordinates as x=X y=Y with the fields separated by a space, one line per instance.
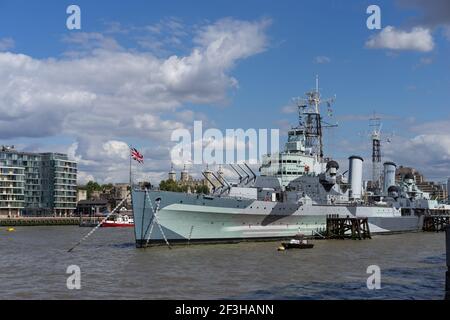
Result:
x=329 y=177
x=406 y=194
x=394 y=192
x=409 y=188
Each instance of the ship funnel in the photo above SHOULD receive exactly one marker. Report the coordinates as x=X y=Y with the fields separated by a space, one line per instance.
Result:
x=355 y=176
x=389 y=175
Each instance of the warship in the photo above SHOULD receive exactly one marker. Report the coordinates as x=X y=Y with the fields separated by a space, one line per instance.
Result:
x=294 y=192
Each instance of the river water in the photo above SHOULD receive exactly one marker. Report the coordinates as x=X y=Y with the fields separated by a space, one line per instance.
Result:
x=34 y=261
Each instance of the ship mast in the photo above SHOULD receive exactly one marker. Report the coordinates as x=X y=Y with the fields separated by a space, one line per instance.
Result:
x=309 y=109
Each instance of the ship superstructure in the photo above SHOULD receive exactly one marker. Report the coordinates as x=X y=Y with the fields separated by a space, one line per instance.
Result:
x=303 y=153
x=405 y=195
x=296 y=189
x=384 y=189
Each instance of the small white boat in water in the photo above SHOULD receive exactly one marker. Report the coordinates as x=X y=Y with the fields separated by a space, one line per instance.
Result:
x=118 y=221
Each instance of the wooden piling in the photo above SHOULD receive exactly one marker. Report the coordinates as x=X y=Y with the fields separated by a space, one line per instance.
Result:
x=347 y=228
x=435 y=222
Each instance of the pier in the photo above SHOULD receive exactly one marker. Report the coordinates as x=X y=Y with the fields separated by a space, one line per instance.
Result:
x=46 y=221
x=355 y=228
x=435 y=222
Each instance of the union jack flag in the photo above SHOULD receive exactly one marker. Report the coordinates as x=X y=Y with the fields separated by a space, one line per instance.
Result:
x=136 y=155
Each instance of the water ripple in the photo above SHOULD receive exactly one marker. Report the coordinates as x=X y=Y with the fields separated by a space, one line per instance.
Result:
x=33 y=263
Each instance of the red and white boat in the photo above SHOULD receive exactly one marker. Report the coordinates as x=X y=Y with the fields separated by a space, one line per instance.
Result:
x=118 y=221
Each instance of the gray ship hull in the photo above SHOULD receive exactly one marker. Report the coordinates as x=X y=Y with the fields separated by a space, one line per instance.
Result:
x=189 y=218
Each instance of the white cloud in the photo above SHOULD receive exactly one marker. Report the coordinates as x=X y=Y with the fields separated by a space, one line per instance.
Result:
x=116 y=149
x=159 y=38
x=424 y=146
x=84 y=178
x=6 y=44
x=103 y=94
x=322 y=60
x=84 y=43
x=433 y=14
x=418 y=39
x=428 y=149
x=289 y=108
x=229 y=40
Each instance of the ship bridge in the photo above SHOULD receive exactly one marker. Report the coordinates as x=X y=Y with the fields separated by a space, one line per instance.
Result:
x=303 y=154
x=296 y=141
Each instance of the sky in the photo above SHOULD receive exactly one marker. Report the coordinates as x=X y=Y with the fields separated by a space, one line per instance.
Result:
x=138 y=70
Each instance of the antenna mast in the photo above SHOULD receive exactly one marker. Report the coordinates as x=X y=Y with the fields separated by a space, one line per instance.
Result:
x=309 y=108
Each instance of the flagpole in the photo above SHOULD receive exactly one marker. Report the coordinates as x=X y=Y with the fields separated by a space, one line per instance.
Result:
x=131 y=180
x=136 y=155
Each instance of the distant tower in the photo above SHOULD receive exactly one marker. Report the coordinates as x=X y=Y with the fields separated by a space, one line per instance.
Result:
x=172 y=174
x=221 y=174
x=209 y=178
x=375 y=124
x=184 y=175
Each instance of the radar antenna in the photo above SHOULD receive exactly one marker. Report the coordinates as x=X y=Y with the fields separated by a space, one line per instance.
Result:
x=311 y=120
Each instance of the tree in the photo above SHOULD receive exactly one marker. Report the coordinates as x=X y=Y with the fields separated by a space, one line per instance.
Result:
x=203 y=189
x=169 y=185
x=92 y=186
x=183 y=188
x=107 y=186
x=173 y=186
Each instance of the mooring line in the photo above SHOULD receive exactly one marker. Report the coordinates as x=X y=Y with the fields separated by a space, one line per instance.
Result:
x=150 y=224
x=98 y=226
x=152 y=220
x=142 y=220
x=155 y=220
